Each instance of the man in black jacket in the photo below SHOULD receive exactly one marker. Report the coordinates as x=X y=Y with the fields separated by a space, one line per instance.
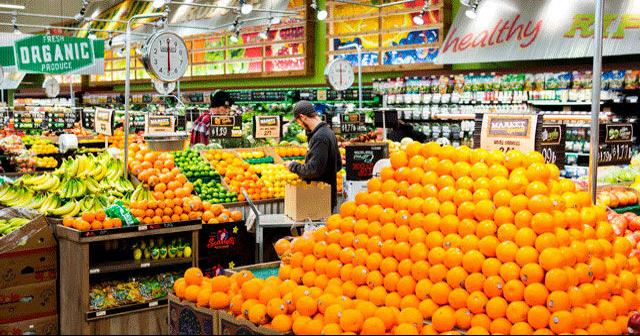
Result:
x=323 y=159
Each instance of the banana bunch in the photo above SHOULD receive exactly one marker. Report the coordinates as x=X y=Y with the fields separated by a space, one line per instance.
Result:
x=68 y=209
x=98 y=172
x=84 y=166
x=73 y=188
x=8 y=226
x=115 y=169
x=51 y=183
x=141 y=194
x=15 y=196
x=93 y=203
x=49 y=202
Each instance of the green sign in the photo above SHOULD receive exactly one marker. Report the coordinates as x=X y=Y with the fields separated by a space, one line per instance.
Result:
x=53 y=54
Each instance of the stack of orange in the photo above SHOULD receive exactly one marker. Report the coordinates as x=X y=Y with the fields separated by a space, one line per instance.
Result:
x=466 y=239
x=290 y=151
x=238 y=174
x=181 y=209
x=92 y=221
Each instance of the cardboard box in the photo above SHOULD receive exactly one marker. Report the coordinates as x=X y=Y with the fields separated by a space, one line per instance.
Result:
x=34 y=235
x=28 y=302
x=47 y=325
x=230 y=325
x=26 y=267
x=187 y=319
x=307 y=201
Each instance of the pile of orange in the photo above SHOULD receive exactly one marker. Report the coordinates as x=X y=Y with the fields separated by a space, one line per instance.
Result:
x=181 y=209
x=446 y=239
x=92 y=221
x=238 y=174
x=290 y=151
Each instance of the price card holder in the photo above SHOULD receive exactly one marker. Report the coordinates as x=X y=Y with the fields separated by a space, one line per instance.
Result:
x=224 y=127
x=103 y=122
x=507 y=131
x=551 y=143
x=353 y=123
x=267 y=127
x=616 y=141
x=362 y=157
x=159 y=124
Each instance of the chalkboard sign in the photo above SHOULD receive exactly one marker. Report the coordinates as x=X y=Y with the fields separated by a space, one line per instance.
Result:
x=362 y=157
x=616 y=142
x=267 y=127
x=390 y=118
x=223 y=127
x=551 y=143
x=353 y=123
x=103 y=122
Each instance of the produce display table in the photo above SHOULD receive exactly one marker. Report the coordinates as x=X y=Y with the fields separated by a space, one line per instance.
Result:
x=85 y=262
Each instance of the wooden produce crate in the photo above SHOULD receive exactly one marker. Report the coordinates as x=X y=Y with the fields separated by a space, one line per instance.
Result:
x=187 y=319
x=230 y=325
x=83 y=265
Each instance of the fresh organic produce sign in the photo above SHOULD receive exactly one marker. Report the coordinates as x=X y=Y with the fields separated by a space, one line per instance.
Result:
x=506 y=132
x=226 y=127
x=51 y=54
x=265 y=127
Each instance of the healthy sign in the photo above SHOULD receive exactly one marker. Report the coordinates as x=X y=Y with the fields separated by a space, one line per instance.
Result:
x=51 y=54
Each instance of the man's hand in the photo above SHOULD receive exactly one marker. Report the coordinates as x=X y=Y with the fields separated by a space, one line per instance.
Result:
x=288 y=164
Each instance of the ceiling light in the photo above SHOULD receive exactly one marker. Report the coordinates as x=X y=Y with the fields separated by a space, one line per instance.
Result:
x=245 y=8
x=472 y=13
x=10 y=6
x=322 y=15
x=418 y=19
x=95 y=14
x=234 y=38
x=158 y=3
x=274 y=20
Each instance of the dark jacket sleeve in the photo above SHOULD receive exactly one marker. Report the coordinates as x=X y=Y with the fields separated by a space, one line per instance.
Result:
x=316 y=163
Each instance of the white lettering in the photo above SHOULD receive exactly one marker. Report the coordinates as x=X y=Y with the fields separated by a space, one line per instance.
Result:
x=83 y=47
x=77 y=51
x=46 y=53
x=24 y=55
x=58 y=56
x=68 y=51
x=35 y=54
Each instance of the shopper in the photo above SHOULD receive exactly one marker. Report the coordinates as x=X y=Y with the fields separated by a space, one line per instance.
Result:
x=219 y=104
x=323 y=159
x=404 y=130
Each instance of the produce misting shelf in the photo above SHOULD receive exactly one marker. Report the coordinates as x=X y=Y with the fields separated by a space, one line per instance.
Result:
x=137 y=307
x=129 y=265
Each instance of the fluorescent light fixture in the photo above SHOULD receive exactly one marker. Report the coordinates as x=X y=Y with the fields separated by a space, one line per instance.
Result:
x=263 y=35
x=246 y=9
x=274 y=20
x=158 y=3
x=471 y=13
x=234 y=38
x=10 y=6
x=322 y=15
x=418 y=19
x=95 y=13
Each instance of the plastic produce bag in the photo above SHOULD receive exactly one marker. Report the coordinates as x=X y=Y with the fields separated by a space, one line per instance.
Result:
x=117 y=210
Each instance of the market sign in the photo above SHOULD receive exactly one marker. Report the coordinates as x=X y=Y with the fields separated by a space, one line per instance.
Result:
x=103 y=121
x=266 y=127
x=159 y=124
x=223 y=127
x=51 y=54
x=513 y=30
x=508 y=131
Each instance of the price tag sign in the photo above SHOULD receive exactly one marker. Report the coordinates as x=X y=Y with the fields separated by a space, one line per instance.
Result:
x=616 y=140
x=159 y=124
x=223 y=127
x=552 y=144
x=362 y=157
x=322 y=95
x=103 y=122
x=353 y=123
x=266 y=127
x=508 y=131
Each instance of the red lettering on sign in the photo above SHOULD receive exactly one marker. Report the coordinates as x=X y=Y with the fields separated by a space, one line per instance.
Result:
x=525 y=33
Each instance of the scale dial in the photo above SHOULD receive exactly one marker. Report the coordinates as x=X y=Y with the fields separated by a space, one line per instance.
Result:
x=165 y=56
x=164 y=88
x=339 y=74
x=51 y=87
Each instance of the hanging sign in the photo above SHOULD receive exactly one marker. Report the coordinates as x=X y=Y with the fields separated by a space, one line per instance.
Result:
x=552 y=144
x=223 y=127
x=508 y=131
x=103 y=121
x=513 y=30
x=51 y=54
x=616 y=142
x=266 y=127
x=361 y=157
x=159 y=124
x=353 y=123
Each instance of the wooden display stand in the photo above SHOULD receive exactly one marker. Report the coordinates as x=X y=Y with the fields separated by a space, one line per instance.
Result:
x=76 y=267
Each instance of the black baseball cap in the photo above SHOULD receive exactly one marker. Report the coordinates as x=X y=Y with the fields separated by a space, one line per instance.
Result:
x=220 y=98
x=304 y=107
